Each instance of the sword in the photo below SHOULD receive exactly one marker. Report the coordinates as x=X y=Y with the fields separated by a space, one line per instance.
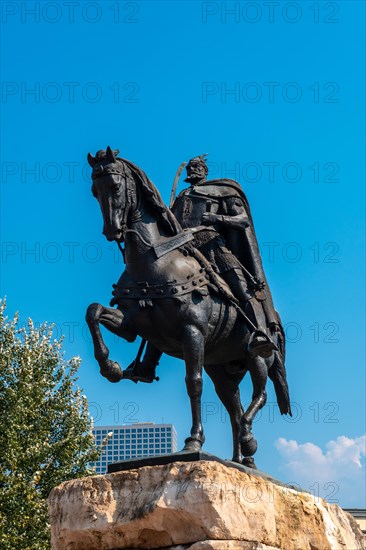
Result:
x=175 y=184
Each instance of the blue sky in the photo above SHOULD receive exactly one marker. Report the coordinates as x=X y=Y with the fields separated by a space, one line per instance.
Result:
x=277 y=100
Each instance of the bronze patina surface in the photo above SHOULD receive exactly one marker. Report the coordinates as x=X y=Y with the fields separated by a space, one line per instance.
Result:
x=194 y=288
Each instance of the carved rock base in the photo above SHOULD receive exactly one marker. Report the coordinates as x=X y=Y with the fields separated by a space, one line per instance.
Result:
x=196 y=506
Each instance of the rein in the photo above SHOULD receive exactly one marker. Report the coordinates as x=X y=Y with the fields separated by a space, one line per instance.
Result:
x=149 y=245
x=122 y=250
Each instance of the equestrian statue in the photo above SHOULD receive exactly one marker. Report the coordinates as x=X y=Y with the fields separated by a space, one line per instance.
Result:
x=193 y=288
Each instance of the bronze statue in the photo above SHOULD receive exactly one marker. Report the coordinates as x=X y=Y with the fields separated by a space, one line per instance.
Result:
x=193 y=288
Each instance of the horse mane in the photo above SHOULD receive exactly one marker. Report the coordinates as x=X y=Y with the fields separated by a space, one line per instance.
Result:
x=153 y=197
x=108 y=159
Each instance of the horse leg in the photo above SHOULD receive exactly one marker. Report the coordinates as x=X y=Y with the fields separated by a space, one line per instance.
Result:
x=259 y=374
x=193 y=353
x=114 y=321
x=227 y=388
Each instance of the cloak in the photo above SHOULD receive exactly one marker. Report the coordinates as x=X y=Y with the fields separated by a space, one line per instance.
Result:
x=242 y=243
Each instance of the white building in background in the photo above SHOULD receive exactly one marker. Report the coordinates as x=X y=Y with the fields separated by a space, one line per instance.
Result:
x=134 y=441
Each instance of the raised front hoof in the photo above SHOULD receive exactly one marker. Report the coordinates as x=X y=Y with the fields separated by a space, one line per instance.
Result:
x=248 y=461
x=112 y=371
x=192 y=444
x=248 y=445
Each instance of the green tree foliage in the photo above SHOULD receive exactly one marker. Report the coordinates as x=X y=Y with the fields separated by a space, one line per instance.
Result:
x=45 y=430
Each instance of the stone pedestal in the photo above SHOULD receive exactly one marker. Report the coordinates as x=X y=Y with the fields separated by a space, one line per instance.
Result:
x=200 y=505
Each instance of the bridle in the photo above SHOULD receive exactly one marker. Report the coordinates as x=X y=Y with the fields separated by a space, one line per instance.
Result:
x=129 y=192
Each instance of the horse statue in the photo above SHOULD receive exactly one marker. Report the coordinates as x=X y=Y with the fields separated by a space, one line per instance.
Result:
x=168 y=296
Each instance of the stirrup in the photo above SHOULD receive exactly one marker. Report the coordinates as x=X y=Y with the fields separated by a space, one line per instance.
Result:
x=260 y=343
x=136 y=373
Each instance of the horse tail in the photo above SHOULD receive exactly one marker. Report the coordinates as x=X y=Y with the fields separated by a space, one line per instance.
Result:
x=277 y=374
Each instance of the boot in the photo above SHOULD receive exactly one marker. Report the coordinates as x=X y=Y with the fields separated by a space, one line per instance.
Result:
x=259 y=343
x=144 y=371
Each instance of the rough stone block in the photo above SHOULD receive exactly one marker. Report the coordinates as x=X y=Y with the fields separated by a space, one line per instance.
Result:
x=196 y=506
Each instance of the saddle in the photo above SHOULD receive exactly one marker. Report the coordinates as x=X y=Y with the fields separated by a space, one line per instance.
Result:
x=206 y=277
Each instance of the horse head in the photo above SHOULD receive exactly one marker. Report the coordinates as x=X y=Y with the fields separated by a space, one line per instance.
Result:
x=119 y=186
x=113 y=188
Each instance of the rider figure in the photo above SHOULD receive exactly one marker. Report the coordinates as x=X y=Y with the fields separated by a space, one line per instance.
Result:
x=232 y=250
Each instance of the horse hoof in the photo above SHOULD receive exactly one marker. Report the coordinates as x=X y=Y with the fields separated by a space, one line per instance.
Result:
x=249 y=445
x=112 y=371
x=248 y=461
x=192 y=444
